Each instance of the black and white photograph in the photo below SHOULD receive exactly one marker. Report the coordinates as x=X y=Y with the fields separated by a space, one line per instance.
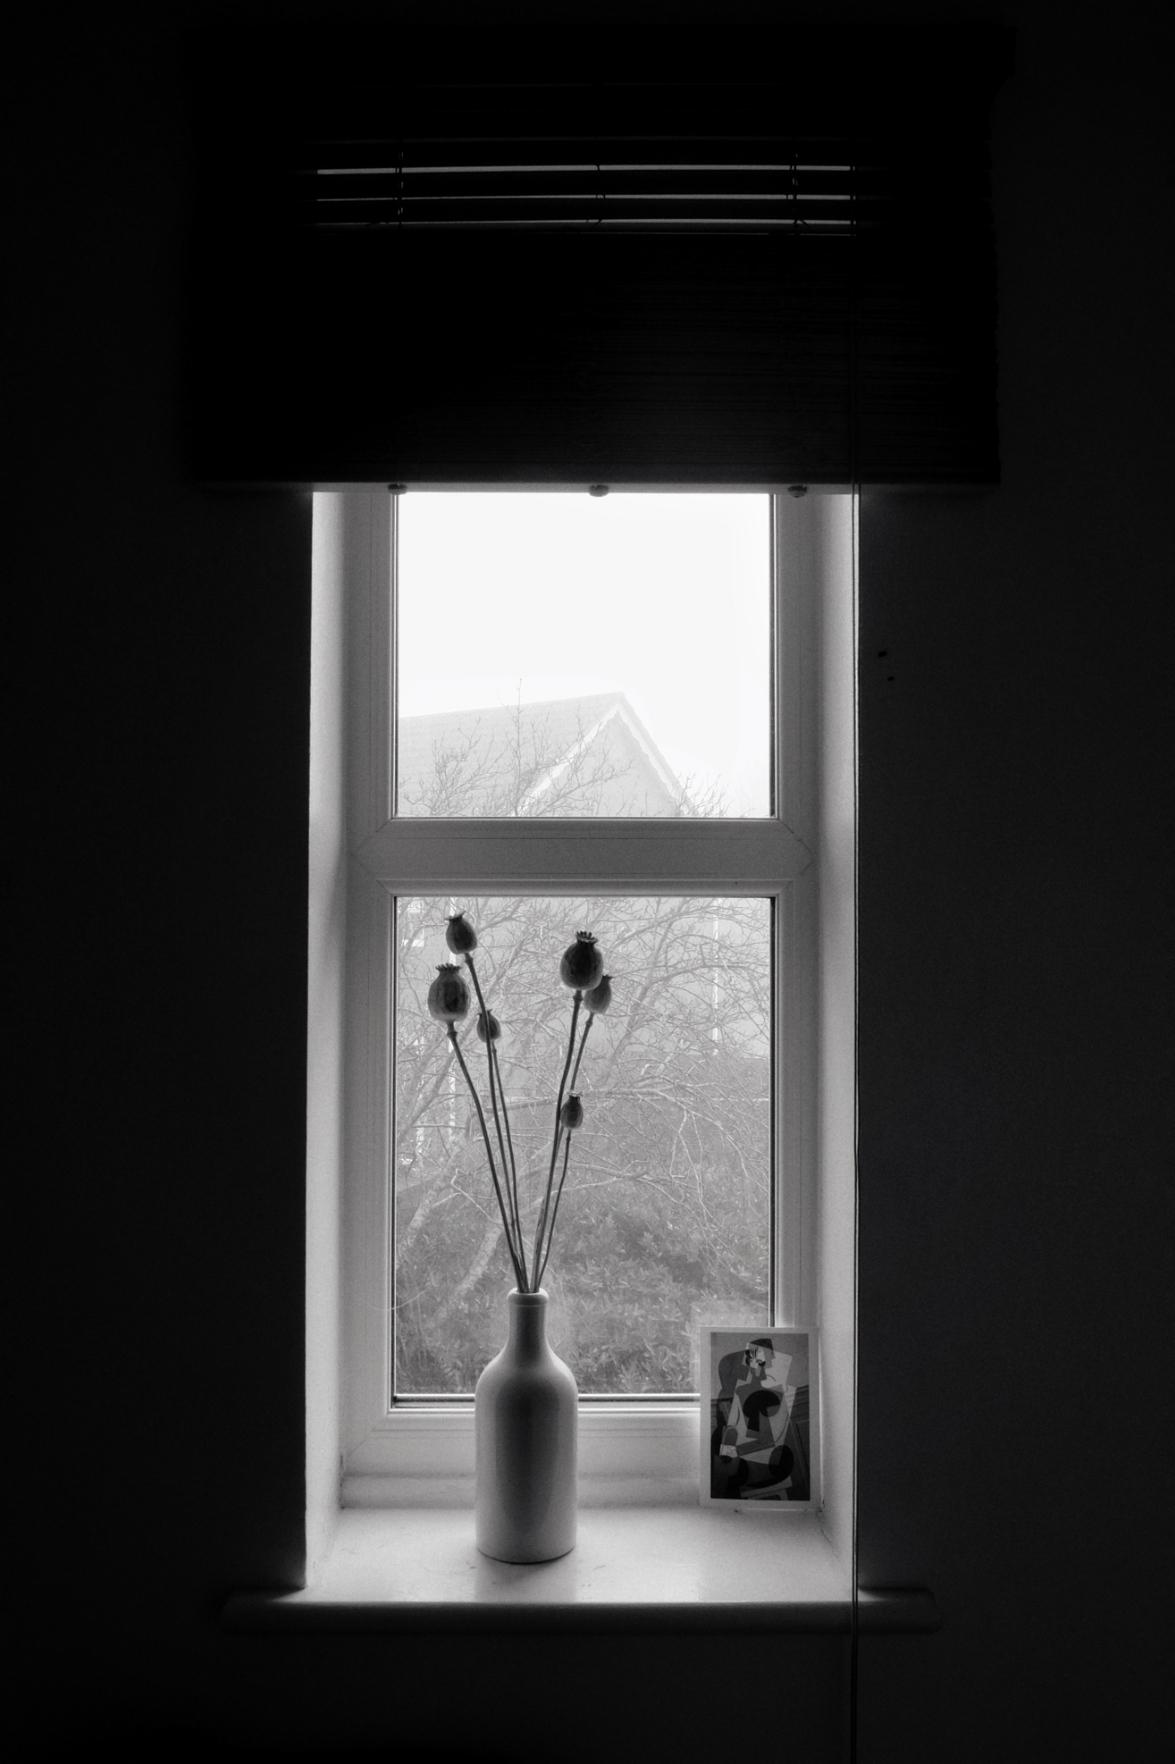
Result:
x=758 y=1429
x=591 y=596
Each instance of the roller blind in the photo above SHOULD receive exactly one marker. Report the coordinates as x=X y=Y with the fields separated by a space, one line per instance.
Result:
x=530 y=265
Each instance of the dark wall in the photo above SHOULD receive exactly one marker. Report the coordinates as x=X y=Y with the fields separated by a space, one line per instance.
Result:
x=1016 y=1060
x=1015 y=1039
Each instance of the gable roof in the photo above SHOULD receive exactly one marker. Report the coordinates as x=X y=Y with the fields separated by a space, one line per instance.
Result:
x=514 y=759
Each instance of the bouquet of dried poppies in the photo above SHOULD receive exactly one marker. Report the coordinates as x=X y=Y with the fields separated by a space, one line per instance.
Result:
x=581 y=970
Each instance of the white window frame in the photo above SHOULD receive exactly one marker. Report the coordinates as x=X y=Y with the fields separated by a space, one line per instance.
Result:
x=801 y=858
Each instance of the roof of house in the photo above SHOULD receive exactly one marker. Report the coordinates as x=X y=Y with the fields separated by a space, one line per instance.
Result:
x=588 y=754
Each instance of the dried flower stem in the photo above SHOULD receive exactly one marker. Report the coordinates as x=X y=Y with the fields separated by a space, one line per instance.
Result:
x=579 y=1055
x=519 y=1267
x=509 y=1173
x=516 y=1204
x=542 y=1267
x=557 y=1132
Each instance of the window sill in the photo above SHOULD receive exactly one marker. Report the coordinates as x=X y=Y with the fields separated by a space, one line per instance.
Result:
x=633 y=1570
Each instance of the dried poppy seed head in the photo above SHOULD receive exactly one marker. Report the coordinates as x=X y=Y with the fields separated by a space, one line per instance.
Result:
x=460 y=936
x=582 y=965
x=448 y=996
x=600 y=997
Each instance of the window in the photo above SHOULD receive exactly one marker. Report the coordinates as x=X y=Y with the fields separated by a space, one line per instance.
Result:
x=543 y=779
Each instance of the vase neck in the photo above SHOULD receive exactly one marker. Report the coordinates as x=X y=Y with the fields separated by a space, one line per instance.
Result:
x=527 y=1312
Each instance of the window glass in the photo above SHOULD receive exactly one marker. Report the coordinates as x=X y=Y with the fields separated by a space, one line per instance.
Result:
x=665 y=1220
x=578 y=655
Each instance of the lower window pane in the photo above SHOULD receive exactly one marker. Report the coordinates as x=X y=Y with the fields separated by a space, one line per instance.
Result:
x=665 y=1219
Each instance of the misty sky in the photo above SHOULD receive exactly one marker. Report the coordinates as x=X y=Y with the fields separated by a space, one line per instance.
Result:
x=552 y=595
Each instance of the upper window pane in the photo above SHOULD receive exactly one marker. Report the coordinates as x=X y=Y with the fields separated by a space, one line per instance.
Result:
x=578 y=655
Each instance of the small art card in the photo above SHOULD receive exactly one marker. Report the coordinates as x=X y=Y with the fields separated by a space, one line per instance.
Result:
x=758 y=1431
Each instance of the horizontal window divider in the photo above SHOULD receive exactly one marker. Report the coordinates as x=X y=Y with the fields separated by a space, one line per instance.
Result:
x=426 y=1455
x=571 y=857
x=641 y=1403
x=594 y=1412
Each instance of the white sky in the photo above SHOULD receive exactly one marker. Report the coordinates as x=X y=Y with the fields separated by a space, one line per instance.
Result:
x=552 y=595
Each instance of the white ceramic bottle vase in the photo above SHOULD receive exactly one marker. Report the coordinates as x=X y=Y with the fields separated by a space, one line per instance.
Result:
x=525 y=1418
